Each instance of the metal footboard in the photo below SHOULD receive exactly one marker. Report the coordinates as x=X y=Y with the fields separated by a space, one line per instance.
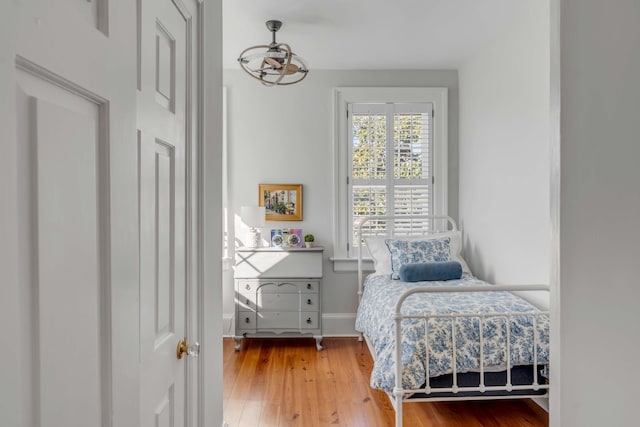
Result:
x=400 y=394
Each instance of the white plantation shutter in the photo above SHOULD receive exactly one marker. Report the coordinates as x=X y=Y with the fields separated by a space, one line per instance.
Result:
x=391 y=164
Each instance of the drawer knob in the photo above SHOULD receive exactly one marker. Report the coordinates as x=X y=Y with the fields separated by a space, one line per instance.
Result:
x=309 y=320
x=247 y=287
x=308 y=285
x=246 y=320
x=309 y=302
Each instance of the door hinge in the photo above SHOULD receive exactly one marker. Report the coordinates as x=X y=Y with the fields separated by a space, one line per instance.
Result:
x=433 y=180
x=347 y=246
x=433 y=113
x=347 y=180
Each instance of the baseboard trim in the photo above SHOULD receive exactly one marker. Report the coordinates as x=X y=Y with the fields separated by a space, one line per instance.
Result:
x=339 y=325
x=228 y=329
x=333 y=325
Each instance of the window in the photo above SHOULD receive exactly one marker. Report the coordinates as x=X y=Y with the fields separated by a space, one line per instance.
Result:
x=391 y=160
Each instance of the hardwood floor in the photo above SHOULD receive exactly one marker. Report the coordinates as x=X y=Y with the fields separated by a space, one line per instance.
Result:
x=286 y=382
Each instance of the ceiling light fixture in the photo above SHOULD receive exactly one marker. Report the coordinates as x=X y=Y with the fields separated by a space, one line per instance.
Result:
x=277 y=66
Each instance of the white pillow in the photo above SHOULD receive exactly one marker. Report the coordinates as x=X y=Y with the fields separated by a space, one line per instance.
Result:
x=380 y=254
x=382 y=257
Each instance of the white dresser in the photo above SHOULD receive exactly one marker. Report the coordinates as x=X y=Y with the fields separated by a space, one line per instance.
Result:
x=278 y=293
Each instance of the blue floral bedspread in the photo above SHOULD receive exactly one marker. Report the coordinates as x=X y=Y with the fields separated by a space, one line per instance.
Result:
x=374 y=319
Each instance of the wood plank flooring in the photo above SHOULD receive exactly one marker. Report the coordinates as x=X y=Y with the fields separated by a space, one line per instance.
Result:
x=286 y=382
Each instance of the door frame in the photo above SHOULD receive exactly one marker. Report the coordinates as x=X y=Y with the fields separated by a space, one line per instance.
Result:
x=11 y=391
x=554 y=205
x=204 y=293
x=209 y=309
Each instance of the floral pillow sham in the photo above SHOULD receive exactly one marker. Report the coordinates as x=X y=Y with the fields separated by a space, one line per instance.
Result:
x=417 y=251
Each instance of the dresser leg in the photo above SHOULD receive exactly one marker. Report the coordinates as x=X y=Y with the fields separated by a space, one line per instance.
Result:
x=238 y=341
x=318 y=341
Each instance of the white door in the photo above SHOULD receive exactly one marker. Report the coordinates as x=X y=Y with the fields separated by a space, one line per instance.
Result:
x=70 y=71
x=93 y=255
x=166 y=111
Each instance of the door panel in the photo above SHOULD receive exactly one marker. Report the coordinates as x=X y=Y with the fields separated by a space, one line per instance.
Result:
x=67 y=228
x=164 y=235
x=54 y=125
x=73 y=135
x=164 y=414
x=165 y=67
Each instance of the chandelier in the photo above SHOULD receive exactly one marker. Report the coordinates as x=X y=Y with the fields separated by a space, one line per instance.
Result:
x=275 y=66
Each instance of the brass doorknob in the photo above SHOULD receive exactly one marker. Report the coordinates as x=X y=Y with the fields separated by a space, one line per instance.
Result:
x=183 y=348
x=190 y=350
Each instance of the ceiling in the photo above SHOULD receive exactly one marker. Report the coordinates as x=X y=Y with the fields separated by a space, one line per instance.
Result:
x=370 y=34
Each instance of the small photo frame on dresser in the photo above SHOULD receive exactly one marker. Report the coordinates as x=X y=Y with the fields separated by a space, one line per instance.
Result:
x=293 y=237
x=286 y=238
x=276 y=238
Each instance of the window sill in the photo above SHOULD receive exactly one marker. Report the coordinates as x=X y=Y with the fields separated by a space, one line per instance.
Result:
x=341 y=265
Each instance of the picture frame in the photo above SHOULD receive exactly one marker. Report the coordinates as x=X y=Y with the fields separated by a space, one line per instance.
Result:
x=286 y=238
x=277 y=240
x=282 y=202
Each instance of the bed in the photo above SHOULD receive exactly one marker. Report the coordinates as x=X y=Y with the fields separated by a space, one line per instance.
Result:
x=501 y=345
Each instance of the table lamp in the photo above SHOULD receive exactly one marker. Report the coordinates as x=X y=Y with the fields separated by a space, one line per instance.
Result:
x=253 y=217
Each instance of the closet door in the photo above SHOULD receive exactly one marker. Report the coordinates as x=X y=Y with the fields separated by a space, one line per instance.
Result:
x=167 y=109
x=70 y=213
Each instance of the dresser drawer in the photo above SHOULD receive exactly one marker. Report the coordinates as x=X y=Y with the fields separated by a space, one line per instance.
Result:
x=247 y=321
x=267 y=263
x=310 y=286
x=278 y=302
x=309 y=320
x=247 y=288
x=309 y=302
x=278 y=287
x=246 y=302
x=279 y=320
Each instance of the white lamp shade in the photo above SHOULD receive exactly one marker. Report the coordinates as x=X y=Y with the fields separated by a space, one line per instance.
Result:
x=253 y=216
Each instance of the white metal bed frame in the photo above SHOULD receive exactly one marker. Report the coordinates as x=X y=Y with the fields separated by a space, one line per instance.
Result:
x=400 y=395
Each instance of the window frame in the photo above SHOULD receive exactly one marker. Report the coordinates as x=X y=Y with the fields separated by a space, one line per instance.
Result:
x=343 y=96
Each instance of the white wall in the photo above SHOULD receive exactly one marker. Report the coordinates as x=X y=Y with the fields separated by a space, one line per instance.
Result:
x=504 y=153
x=284 y=135
x=599 y=211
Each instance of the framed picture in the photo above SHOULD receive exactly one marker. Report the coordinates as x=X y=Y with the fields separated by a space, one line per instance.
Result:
x=282 y=202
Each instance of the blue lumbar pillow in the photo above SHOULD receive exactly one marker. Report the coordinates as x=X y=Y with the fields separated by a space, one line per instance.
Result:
x=430 y=271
